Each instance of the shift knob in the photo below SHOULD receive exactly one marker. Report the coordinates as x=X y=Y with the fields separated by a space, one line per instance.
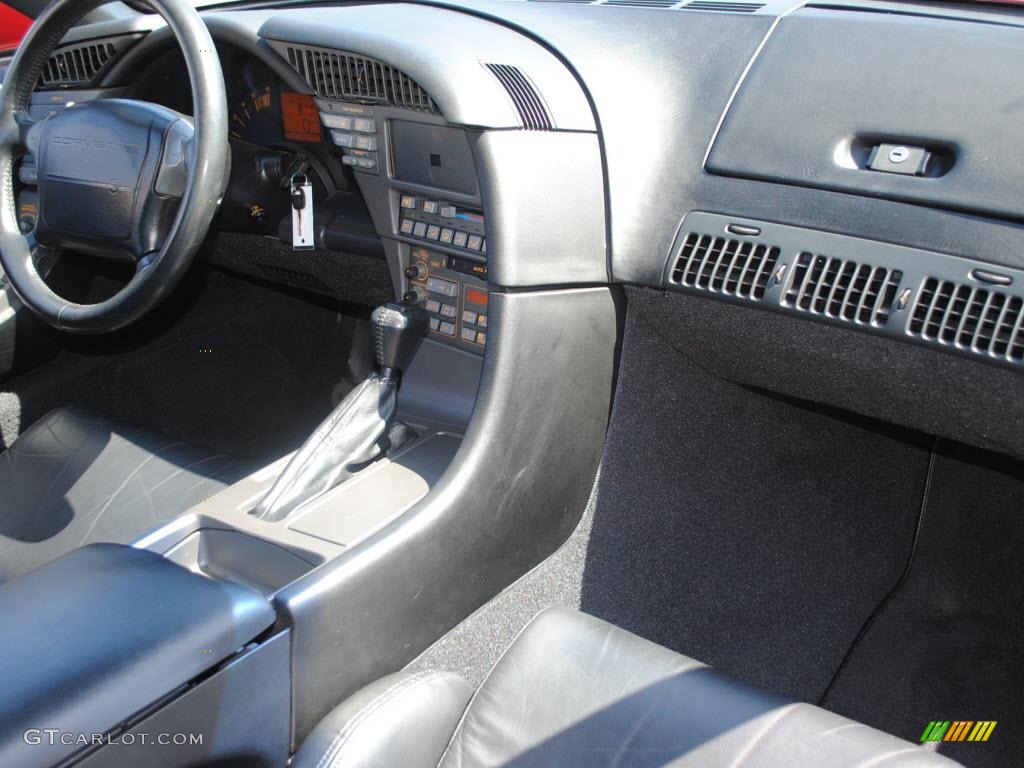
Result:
x=398 y=329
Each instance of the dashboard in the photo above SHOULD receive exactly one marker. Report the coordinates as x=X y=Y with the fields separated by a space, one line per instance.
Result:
x=262 y=110
x=796 y=185
x=427 y=199
x=560 y=144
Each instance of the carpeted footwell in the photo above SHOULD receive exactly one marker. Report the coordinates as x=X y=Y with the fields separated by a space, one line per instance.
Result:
x=228 y=364
x=779 y=541
x=950 y=644
x=758 y=533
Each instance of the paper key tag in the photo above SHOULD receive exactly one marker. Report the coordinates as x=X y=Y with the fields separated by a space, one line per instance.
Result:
x=302 y=217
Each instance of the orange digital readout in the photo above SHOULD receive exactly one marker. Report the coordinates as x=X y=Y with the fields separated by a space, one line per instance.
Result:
x=301 y=118
x=476 y=296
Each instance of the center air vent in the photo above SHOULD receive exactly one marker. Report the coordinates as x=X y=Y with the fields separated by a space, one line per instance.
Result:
x=842 y=289
x=969 y=318
x=722 y=265
x=351 y=77
x=935 y=300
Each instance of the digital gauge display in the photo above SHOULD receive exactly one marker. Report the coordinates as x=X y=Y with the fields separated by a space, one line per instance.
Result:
x=261 y=116
x=301 y=117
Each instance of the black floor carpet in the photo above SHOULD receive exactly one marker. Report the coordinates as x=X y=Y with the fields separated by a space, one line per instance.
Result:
x=765 y=535
x=950 y=644
x=228 y=364
x=750 y=532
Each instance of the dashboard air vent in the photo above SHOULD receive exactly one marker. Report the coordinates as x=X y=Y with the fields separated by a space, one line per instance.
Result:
x=643 y=3
x=843 y=289
x=950 y=304
x=528 y=103
x=723 y=265
x=340 y=75
x=724 y=5
x=970 y=318
x=77 y=65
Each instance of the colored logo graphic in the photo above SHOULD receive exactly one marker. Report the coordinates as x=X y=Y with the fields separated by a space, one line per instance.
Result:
x=958 y=730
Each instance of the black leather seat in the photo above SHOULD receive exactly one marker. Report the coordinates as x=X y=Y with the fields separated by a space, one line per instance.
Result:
x=76 y=478
x=575 y=691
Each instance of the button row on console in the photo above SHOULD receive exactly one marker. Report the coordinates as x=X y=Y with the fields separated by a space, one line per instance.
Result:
x=348 y=123
x=474 y=337
x=442 y=326
x=471 y=317
x=445 y=235
x=444 y=287
x=347 y=140
x=411 y=203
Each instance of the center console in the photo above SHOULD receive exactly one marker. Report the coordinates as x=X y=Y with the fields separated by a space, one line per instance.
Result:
x=455 y=294
x=117 y=657
x=419 y=179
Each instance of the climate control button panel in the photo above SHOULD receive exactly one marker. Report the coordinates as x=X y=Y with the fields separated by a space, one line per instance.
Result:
x=454 y=292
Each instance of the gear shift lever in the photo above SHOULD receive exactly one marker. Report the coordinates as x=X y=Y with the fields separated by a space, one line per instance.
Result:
x=356 y=432
x=398 y=330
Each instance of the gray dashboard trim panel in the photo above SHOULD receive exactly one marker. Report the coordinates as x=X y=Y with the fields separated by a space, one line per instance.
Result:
x=426 y=43
x=545 y=224
x=522 y=475
x=655 y=135
x=440 y=387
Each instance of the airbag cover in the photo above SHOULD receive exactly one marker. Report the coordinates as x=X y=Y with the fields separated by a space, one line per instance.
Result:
x=98 y=166
x=85 y=152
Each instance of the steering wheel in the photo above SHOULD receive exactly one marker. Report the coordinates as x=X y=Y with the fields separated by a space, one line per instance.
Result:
x=117 y=178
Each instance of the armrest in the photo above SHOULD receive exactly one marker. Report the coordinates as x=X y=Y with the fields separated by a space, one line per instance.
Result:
x=103 y=632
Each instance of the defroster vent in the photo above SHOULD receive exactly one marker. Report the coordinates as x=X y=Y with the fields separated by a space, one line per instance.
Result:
x=723 y=5
x=724 y=265
x=842 y=289
x=969 y=318
x=533 y=113
x=643 y=3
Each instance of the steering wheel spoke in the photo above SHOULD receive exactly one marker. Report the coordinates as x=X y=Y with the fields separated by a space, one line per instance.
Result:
x=43 y=257
x=20 y=134
x=29 y=131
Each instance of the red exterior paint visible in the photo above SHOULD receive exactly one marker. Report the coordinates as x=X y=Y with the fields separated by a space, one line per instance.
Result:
x=13 y=27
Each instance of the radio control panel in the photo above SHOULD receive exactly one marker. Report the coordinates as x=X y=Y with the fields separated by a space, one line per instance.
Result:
x=454 y=292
